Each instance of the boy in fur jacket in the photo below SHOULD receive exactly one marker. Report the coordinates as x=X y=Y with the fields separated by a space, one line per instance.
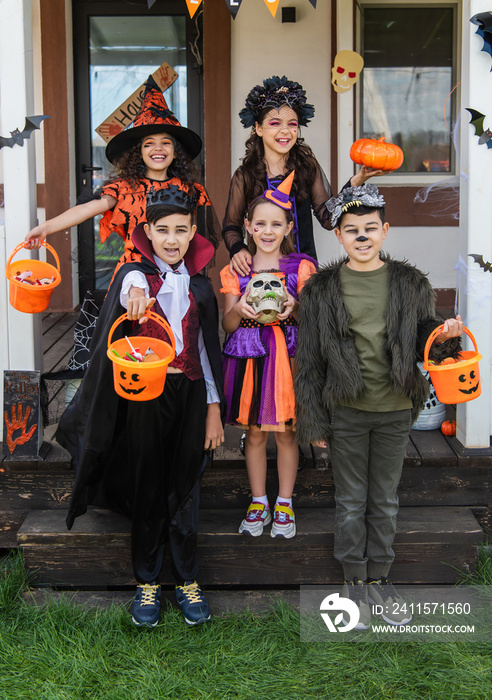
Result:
x=363 y=323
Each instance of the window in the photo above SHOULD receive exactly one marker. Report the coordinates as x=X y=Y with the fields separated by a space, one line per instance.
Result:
x=408 y=81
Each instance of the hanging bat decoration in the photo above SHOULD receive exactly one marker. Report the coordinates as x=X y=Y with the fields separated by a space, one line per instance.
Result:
x=486 y=266
x=18 y=137
x=477 y=119
x=483 y=20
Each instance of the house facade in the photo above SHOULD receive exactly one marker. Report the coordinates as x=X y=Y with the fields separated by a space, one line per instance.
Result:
x=77 y=60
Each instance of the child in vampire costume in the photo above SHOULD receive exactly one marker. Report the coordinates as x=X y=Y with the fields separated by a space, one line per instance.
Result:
x=363 y=324
x=145 y=458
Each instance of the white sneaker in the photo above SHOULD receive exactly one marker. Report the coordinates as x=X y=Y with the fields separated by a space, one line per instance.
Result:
x=257 y=517
x=284 y=521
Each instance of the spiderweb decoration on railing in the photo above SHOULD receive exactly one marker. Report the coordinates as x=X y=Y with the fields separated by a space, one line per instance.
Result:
x=59 y=387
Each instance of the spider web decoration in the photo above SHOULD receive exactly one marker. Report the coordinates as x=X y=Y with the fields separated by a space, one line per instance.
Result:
x=57 y=388
x=83 y=332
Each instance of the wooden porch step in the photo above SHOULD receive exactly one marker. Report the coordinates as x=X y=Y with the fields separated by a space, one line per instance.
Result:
x=432 y=546
x=226 y=487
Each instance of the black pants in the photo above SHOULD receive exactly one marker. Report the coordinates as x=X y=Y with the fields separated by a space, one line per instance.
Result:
x=166 y=438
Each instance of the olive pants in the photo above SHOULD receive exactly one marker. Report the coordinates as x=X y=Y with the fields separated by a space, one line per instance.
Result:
x=367 y=452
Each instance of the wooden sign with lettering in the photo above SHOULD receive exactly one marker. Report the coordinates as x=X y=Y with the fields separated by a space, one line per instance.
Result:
x=22 y=430
x=122 y=117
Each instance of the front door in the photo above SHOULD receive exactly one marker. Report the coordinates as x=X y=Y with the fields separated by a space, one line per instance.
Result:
x=116 y=46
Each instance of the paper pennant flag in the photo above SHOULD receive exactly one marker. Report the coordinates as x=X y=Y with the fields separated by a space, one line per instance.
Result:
x=233 y=7
x=193 y=6
x=313 y=3
x=272 y=6
x=150 y=3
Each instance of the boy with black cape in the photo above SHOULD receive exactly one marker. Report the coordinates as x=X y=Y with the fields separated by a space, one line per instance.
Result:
x=144 y=459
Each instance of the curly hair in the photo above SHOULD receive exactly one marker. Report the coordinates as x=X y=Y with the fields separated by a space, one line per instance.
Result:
x=131 y=167
x=300 y=158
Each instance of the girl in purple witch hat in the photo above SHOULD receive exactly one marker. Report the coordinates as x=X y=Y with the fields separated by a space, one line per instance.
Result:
x=258 y=357
x=274 y=111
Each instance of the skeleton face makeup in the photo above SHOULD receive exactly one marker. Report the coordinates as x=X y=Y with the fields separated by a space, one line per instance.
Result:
x=266 y=294
x=346 y=69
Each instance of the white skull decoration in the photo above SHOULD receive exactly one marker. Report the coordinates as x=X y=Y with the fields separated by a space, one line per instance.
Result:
x=266 y=294
x=346 y=69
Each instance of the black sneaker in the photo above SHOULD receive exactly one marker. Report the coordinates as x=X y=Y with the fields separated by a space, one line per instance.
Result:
x=192 y=602
x=146 y=605
x=356 y=591
x=390 y=605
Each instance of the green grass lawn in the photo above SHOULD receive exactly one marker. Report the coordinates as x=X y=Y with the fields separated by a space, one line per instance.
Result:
x=66 y=651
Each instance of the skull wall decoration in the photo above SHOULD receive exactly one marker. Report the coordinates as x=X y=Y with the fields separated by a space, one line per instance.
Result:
x=266 y=294
x=346 y=69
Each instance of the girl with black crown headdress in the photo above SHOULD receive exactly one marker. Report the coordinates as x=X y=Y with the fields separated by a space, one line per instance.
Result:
x=156 y=152
x=275 y=111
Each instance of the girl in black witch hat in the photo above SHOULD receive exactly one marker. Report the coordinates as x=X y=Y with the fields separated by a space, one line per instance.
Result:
x=155 y=152
x=275 y=111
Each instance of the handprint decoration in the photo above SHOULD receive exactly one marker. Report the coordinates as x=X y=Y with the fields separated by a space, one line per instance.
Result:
x=18 y=423
x=22 y=424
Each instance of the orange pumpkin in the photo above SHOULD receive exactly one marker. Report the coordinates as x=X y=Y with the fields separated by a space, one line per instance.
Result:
x=448 y=427
x=377 y=154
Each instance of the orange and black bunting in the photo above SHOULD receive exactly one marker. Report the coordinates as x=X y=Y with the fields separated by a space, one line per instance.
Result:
x=233 y=6
x=193 y=6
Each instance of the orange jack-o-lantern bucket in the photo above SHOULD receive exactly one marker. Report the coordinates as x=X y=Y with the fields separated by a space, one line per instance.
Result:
x=31 y=282
x=140 y=381
x=455 y=381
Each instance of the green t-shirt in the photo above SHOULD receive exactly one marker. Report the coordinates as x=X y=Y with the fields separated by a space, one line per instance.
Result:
x=366 y=298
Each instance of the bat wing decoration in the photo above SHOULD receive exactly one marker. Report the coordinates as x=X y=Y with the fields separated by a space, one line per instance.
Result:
x=486 y=266
x=18 y=137
x=477 y=119
x=484 y=23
